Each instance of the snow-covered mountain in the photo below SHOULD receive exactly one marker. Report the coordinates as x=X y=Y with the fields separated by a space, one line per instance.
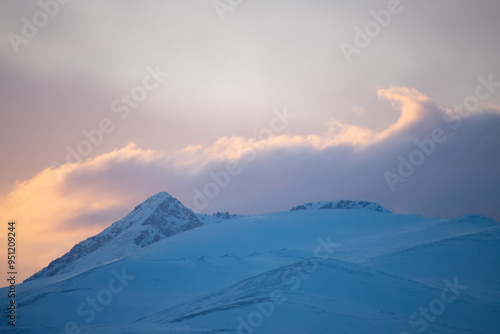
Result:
x=353 y=269
x=159 y=217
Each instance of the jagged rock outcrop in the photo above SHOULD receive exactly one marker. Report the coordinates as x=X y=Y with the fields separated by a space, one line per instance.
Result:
x=343 y=204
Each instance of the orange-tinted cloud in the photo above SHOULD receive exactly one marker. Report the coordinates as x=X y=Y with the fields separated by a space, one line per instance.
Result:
x=44 y=204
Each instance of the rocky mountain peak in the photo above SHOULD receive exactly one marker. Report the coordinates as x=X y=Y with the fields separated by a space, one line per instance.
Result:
x=157 y=218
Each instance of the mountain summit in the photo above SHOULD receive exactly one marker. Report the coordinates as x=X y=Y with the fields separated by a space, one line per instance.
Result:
x=159 y=217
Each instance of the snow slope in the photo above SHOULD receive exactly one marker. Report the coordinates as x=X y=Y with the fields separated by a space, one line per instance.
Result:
x=346 y=270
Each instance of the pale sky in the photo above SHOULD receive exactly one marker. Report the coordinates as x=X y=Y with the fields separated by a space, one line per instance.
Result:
x=231 y=70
